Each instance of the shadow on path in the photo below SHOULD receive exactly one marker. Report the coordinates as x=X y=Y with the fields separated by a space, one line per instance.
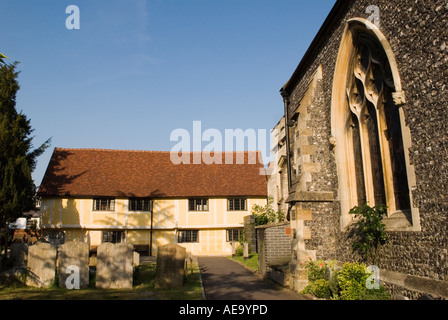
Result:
x=224 y=279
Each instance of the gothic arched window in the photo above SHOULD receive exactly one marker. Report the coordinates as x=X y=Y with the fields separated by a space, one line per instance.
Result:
x=367 y=125
x=375 y=128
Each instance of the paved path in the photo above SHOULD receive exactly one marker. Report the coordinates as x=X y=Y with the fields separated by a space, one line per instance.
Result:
x=224 y=279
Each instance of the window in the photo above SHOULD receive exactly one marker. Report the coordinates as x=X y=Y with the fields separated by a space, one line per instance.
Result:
x=236 y=204
x=234 y=234
x=103 y=204
x=198 y=204
x=374 y=129
x=370 y=137
x=113 y=236
x=188 y=236
x=139 y=204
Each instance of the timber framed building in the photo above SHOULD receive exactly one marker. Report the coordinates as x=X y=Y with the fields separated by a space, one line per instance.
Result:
x=142 y=197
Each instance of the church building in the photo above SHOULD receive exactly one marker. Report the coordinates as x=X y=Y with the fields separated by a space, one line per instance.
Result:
x=366 y=122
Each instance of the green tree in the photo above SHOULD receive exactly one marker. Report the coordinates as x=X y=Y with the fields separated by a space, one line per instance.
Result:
x=2 y=56
x=266 y=214
x=17 y=154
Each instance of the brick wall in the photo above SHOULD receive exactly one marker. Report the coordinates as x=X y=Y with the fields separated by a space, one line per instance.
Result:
x=274 y=246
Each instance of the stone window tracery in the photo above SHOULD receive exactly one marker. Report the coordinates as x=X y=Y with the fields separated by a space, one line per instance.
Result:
x=373 y=128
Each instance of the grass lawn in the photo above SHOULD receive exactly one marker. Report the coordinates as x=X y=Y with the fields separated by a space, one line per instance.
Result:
x=251 y=262
x=143 y=288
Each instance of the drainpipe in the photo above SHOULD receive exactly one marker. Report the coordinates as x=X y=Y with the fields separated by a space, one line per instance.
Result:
x=287 y=125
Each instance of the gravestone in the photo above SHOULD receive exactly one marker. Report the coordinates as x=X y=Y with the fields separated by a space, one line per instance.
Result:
x=73 y=256
x=170 y=268
x=233 y=248
x=41 y=265
x=250 y=233
x=136 y=259
x=245 y=250
x=114 y=266
x=189 y=263
x=19 y=253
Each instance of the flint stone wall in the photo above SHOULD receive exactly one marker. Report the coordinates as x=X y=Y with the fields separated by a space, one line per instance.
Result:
x=418 y=36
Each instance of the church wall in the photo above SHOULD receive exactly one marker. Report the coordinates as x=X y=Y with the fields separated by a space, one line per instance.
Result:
x=419 y=39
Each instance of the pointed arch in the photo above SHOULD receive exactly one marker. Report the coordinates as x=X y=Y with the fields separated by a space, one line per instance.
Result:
x=368 y=126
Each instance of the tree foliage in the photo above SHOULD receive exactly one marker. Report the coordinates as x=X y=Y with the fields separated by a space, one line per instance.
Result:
x=266 y=214
x=2 y=56
x=17 y=155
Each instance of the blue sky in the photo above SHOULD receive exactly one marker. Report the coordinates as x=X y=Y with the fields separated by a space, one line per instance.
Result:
x=138 y=69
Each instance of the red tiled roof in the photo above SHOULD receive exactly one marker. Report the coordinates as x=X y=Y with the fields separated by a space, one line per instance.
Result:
x=116 y=173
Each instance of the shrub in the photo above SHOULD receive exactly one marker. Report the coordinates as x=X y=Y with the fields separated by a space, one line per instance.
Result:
x=347 y=283
x=334 y=284
x=321 y=289
x=370 y=231
x=317 y=270
x=239 y=252
x=375 y=294
x=352 y=280
x=318 y=276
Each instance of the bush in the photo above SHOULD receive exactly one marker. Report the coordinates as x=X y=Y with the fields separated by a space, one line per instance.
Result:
x=375 y=294
x=320 y=288
x=239 y=252
x=352 y=280
x=370 y=231
x=347 y=283
x=318 y=276
x=334 y=284
x=317 y=270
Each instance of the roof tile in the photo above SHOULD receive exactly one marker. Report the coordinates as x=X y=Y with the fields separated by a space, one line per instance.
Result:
x=124 y=173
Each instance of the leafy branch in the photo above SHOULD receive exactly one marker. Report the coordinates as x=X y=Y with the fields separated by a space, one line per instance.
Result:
x=266 y=214
x=369 y=230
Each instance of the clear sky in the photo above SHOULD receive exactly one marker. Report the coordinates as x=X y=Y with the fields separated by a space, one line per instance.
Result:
x=138 y=69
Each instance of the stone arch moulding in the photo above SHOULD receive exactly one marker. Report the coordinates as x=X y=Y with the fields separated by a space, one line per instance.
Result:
x=347 y=193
